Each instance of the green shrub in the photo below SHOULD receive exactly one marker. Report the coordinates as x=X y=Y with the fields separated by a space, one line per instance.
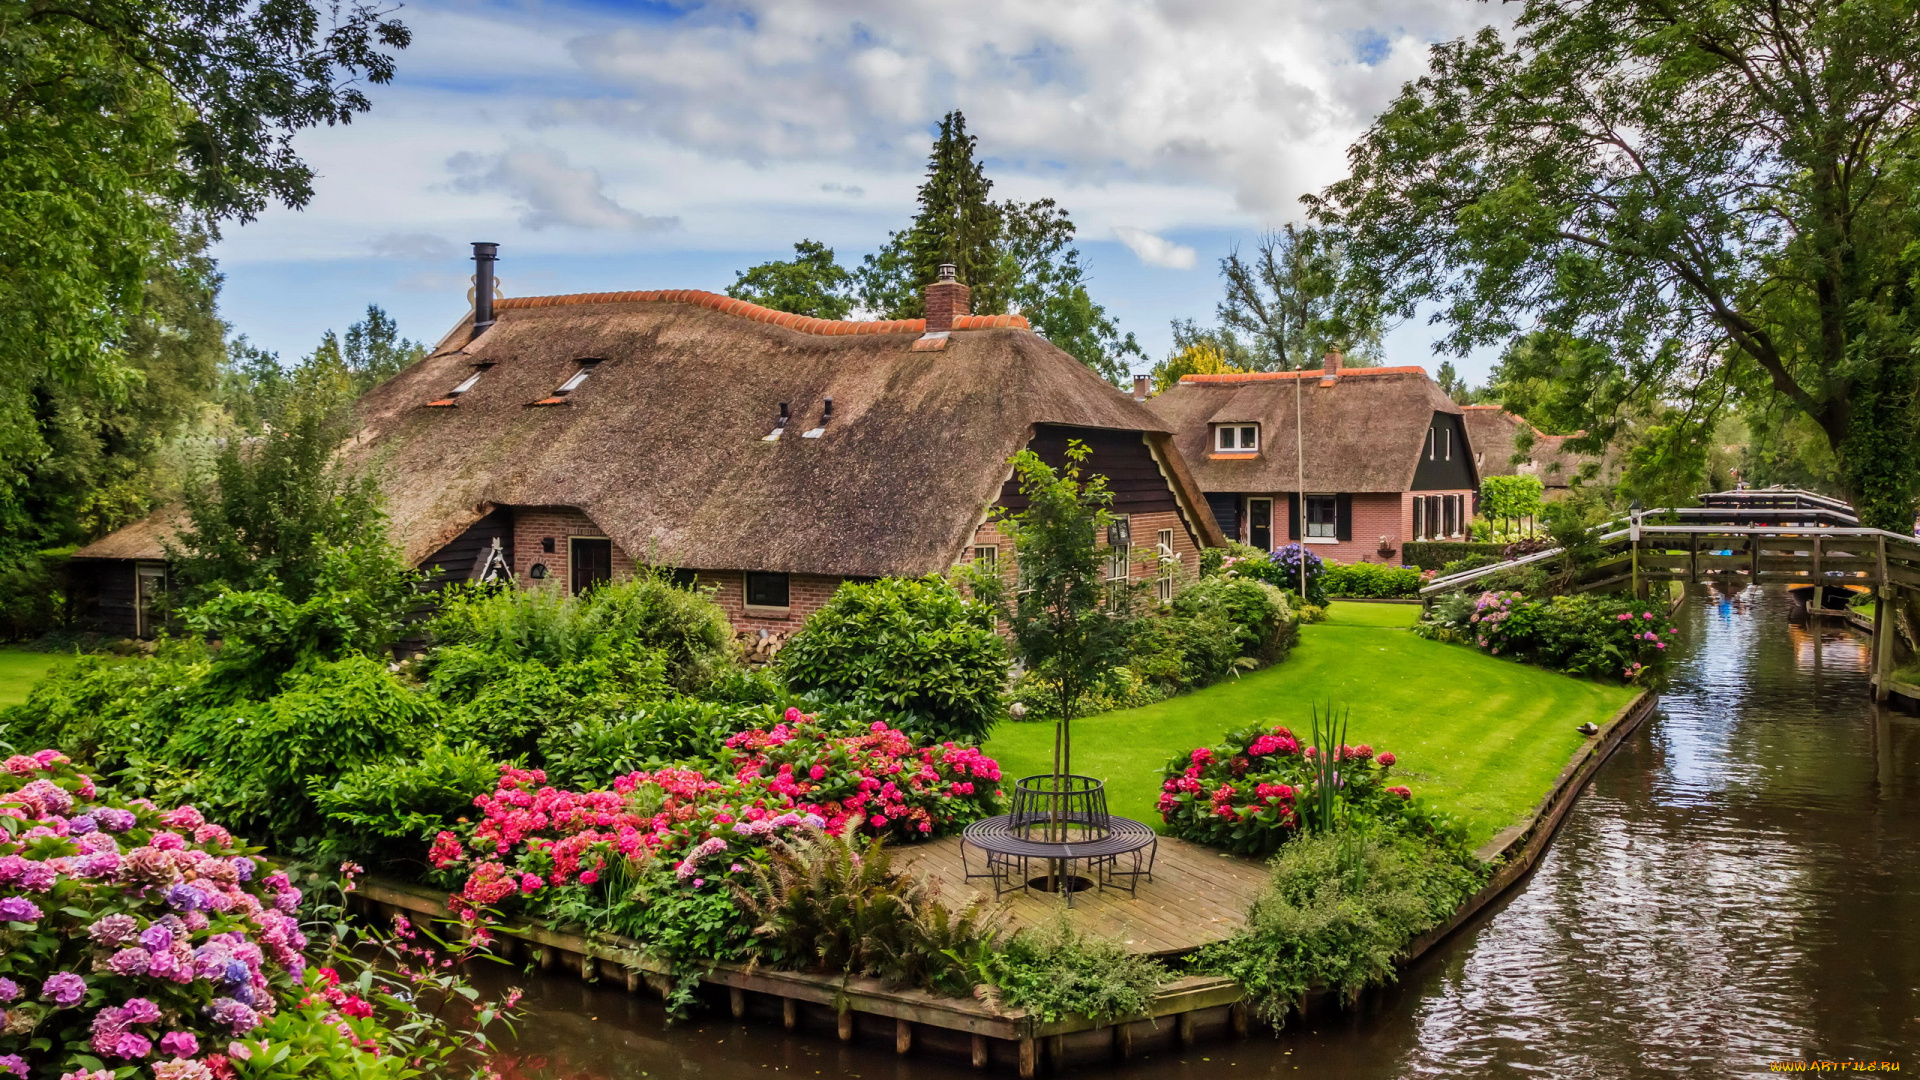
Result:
x=1119 y=687
x=914 y=647
x=1054 y=972
x=1376 y=581
x=33 y=593
x=1593 y=636
x=1338 y=910
x=588 y=753
x=1263 y=620
x=509 y=705
x=103 y=710
x=1466 y=563
x=384 y=814
x=1434 y=554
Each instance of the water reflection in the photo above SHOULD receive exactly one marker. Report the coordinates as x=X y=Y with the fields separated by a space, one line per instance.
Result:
x=1741 y=884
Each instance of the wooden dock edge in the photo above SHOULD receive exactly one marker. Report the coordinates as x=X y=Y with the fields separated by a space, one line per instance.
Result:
x=1515 y=850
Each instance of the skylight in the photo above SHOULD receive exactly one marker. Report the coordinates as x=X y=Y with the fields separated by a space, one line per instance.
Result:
x=578 y=377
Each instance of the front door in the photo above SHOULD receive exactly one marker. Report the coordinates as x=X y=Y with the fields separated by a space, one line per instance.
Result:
x=149 y=581
x=591 y=561
x=1260 y=523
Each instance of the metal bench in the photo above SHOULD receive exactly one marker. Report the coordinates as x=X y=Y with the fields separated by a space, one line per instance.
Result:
x=1010 y=845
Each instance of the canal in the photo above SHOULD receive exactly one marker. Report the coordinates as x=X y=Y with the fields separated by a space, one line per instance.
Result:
x=1739 y=886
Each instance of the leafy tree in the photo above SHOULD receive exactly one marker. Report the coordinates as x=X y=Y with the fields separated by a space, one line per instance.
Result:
x=1199 y=355
x=811 y=283
x=1014 y=257
x=1069 y=624
x=1704 y=198
x=257 y=390
x=373 y=350
x=122 y=117
x=275 y=503
x=1296 y=297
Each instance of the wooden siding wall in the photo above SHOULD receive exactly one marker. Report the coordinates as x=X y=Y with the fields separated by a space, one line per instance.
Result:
x=1226 y=511
x=1123 y=457
x=1441 y=473
x=454 y=562
x=104 y=592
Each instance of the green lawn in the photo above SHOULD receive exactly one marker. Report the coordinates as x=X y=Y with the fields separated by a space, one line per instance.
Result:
x=1476 y=735
x=21 y=668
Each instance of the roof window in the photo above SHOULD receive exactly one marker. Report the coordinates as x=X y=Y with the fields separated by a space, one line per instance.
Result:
x=559 y=396
x=1236 y=438
x=466 y=384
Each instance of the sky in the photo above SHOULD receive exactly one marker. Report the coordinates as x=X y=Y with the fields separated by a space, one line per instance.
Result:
x=646 y=144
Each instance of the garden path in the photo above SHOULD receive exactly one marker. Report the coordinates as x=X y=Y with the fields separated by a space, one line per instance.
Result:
x=1197 y=895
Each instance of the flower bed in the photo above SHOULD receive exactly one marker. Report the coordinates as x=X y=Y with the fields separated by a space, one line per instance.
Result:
x=137 y=938
x=1248 y=795
x=532 y=839
x=1593 y=636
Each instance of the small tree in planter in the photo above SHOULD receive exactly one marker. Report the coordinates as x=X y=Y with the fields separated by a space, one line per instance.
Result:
x=1069 y=622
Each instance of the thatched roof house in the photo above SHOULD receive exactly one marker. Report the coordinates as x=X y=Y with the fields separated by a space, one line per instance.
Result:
x=1386 y=457
x=773 y=454
x=1494 y=432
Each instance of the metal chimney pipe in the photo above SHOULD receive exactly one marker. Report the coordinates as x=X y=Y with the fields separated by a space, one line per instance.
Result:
x=484 y=256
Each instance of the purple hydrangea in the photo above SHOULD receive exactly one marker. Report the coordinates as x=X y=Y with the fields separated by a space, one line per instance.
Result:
x=129 y=1045
x=38 y=876
x=13 y=1063
x=9 y=990
x=64 y=989
x=114 y=819
x=98 y=865
x=10 y=867
x=47 y=795
x=237 y=1016
x=18 y=909
x=165 y=965
x=111 y=930
x=157 y=938
x=129 y=963
x=184 y=897
x=244 y=867
x=82 y=824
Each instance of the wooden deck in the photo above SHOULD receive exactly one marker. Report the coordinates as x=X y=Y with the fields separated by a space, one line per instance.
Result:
x=1197 y=895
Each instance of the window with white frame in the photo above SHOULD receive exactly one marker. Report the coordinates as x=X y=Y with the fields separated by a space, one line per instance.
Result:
x=1236 y=438
x=1168 y=560
x=986 y=556
x=1119 y=548
x=1323 y=517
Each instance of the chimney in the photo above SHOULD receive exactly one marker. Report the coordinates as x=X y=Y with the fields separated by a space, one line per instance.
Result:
x=945 y=299
x=1142 y=388
x=1332 y=363
x=484 y=255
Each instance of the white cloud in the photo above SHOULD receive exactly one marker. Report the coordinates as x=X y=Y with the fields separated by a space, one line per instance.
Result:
x=1154 y=250
x=550 y=191
x=414 y=245
x=851 y=191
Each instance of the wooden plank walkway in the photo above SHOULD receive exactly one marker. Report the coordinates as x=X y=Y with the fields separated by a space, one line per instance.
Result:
x=1197 y=895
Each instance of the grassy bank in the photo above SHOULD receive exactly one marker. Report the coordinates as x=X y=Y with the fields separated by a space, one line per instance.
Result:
x=21 y=668
x=1479 y=736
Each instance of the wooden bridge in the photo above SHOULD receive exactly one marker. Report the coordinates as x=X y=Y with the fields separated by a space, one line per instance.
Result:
x=1741 y=538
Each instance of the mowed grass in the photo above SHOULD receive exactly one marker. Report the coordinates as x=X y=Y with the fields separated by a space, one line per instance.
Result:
x=21 y=668
x=1475 y=735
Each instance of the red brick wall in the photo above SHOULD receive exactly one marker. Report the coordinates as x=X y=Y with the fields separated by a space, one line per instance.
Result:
x=806 y=594
x=1144 y=564
x=531 y=524
x=1386 y=514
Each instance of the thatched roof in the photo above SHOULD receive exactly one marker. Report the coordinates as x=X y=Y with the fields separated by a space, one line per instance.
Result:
x=1491 y=431
x=1365 y=430
x=663 y=444
x=140 y=540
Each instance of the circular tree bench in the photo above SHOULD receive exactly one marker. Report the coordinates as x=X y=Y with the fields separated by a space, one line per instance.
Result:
x=1060 y=821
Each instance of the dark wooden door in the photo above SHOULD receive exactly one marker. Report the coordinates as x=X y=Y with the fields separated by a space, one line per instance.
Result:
x=592 y=563
x=1260 y=523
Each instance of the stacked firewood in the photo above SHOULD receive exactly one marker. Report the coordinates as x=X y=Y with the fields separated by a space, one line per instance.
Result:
x=758 y=647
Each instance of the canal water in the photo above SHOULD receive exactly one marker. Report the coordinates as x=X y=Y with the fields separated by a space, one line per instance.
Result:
x=1739 y=886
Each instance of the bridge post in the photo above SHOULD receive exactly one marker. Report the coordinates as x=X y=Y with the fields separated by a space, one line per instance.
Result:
x=1882 y=641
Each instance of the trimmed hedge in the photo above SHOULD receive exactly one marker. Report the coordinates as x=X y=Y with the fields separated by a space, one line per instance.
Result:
x=1372 y=581
x=1434 y=554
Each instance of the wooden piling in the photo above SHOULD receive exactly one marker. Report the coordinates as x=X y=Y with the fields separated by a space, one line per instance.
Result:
x=1029 y=1058
x=633 y=980
x=980 y=1056
x=789 y=1013
x=846 y=1025
x=1123 y=1040
x=902 y=1036
x=1237 y=1013
x=737 y=1001
x=1184 y=1028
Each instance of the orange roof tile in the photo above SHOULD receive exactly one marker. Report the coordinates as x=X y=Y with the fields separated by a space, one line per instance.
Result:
x=732 y=306
x=1309 y=373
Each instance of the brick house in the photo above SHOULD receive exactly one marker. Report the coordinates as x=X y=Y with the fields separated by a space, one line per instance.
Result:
x=770 y=456
x=1387 y=457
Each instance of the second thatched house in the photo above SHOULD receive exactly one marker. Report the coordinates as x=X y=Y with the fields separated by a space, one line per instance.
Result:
x=1381 y=456
x=565 y=439
x=1496 y=436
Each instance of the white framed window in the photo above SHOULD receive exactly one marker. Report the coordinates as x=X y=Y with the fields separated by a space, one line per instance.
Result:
x=1120 y=549
x=1236 y=438
x=1433 y=440
x=1323 y=517
x=987 y=555
x=1168 y=560
x=1446 y=441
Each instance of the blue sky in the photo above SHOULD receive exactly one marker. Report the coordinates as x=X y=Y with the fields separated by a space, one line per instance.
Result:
x=667 y=145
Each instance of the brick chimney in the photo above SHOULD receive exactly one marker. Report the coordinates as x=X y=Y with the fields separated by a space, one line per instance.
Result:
x=1331 y=365
x=1142 y=388
x=945 y=298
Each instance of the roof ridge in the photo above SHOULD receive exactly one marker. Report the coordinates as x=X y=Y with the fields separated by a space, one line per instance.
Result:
x=728 y=305
x=1306 y=373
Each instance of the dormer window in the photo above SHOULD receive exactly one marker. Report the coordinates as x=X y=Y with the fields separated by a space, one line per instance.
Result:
x=1236 y=438
x=578 y=377
x=466 y=384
